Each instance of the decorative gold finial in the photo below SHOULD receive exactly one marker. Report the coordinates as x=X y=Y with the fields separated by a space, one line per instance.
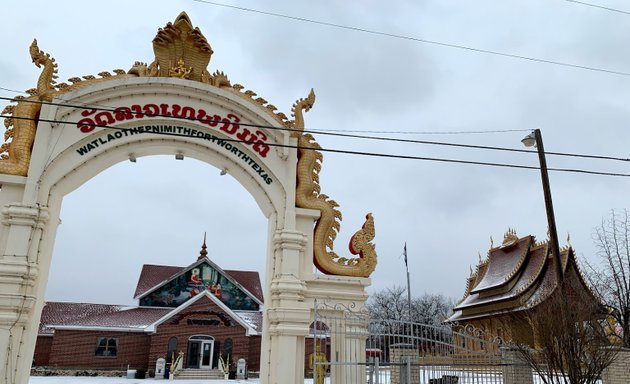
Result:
x=510 y=236
x=203 y=253
x=181 y=44
x=569 y=239
x=491 y=242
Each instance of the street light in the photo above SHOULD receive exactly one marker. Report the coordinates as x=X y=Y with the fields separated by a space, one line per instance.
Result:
x=535 y=139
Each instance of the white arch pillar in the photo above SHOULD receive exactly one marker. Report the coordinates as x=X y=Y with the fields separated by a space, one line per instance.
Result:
x=19 y=279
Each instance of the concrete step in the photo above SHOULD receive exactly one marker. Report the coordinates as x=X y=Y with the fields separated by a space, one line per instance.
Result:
x=199 y=374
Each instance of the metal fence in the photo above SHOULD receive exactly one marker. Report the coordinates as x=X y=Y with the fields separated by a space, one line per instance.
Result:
x=350 y=347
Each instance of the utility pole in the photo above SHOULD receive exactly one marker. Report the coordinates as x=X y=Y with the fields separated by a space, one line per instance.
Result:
x=408 y=286
x=551 y=219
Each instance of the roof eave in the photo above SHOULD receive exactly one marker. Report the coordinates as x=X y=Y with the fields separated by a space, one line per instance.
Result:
x=97 y=328
x=152 y=327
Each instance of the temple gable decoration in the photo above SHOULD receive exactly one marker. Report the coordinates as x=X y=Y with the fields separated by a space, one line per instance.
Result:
x=193 y=280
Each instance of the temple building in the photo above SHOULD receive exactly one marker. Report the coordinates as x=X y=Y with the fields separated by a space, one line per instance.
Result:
x=515 y=277
x=201 y=310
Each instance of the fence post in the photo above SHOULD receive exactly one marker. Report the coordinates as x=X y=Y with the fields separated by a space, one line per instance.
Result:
x=405 y=356
x=405 y=373
x=515 y=368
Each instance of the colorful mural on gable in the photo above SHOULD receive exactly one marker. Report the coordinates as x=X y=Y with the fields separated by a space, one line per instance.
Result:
x=195 y=280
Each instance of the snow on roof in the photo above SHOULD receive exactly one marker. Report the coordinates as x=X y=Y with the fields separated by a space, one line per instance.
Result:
x=63 y=313
x=252 y=318
x=84 y=315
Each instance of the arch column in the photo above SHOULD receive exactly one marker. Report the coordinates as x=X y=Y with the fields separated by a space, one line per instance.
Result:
x=19 y=281
x=288 y=315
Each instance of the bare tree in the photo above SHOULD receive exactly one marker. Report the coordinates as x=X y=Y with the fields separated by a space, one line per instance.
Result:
x=572 y=338
x=610 y=277
x=392 y=324
x=391 y=303
x=431 y=308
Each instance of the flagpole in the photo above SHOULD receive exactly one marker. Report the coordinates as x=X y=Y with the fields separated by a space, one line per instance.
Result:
x=408 y=289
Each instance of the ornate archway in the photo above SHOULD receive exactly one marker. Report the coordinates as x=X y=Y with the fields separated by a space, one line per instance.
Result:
x=64 y=134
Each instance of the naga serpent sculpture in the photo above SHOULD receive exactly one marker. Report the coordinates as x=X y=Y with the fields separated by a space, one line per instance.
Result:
x=184 y=45
x=18 y=152
x=15 y=155
x=308 y=195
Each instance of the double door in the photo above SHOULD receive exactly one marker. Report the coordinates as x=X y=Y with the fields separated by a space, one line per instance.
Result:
x=200 y=350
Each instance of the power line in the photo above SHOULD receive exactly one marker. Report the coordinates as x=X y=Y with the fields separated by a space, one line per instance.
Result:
x=358 y=153
x=101 y=107
x=598 y=6
x=419 y=40
x=346 y=135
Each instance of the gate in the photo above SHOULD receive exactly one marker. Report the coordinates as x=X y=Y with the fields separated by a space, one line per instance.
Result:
x=350 y=347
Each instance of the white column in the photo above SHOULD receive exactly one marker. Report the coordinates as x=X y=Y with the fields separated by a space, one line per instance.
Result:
x=288 y=316
x=19 y=278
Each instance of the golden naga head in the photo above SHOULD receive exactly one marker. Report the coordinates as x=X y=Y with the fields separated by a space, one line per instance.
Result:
x=180 y=46
x=39 y=57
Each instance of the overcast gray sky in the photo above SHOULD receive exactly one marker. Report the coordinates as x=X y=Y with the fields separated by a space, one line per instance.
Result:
x=156 y=210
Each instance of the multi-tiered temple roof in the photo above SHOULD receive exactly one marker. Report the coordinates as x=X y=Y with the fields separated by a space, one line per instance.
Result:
x=515 y=276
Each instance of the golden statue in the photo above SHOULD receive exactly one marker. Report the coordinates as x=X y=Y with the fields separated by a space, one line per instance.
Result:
x=180 y=70
x=317 y=362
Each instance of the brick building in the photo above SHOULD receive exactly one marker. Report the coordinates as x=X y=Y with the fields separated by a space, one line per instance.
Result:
x=200 y=310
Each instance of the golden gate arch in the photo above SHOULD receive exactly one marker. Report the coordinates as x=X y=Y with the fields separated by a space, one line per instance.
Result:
x=63 y=134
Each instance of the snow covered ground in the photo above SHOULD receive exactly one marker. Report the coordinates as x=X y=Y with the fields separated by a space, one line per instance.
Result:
x=122 y=380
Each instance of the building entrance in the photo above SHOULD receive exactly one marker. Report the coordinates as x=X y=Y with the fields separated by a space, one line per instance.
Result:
x=200 y=351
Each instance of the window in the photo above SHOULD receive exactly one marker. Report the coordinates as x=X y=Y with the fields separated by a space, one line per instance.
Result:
x=227 y=347
x=172 y=350
x=106 y=346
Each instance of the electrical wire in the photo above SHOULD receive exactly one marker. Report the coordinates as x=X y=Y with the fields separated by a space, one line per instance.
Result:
x=345 y=135
x=101 y=107
x=419 y=40
x=359 y=153
x=598 y=6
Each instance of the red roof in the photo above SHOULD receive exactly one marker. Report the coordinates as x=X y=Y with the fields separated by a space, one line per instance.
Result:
x=125 y=317
x=250 y=280
x=87 y=315
x=152 y=275
x=84 y=315
x=64 y=313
